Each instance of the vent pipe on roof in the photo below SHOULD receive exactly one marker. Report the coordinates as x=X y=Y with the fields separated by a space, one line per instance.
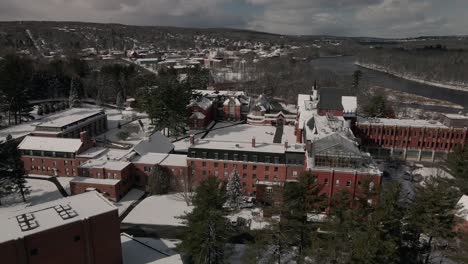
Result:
x=192 y=139
x=286 y=144
x=253 y=142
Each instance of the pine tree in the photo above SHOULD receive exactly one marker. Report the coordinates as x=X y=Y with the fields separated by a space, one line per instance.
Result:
x=357 y=76
x=73 y=98
x=205 y=237
x=12 y=170
x=40 y=110
x=233 y=190
x=158 y=181
x=46 y=109
x=457 y=164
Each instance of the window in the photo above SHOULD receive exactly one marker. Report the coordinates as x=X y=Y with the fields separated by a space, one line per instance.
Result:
x=193 y=154
x=203 y=164
x=245 y=157
x=244 y=175
x=109 y=175
x=269 y=190
x=267 y=177
x=325 y=181
x=254 y=167
x=225 y=174
x=33 y=252
x=204 y=154
x=216 y=155
x=276 y=168
x=76 y=238
x=254 y=176
x=337 y=183
x=276 y=160
x=267 y=168
x=267 y=159
x=216 y=164
x=294 y=173
x=244 y=167
x=146 y=168
x=66 y=162
x=348 y=183
x=225 y=165
x=115 y=175
x=226 y=156
x=254 y=158
x=204 y=172
x=216 y=173
x=98 y=175
x=236 y=156
x=244 y=184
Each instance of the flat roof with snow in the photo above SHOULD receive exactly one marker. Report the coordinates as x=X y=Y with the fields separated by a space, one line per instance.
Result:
x=103 y=163
x=162 y=159
x=71 y=116
x=69 y=145
x=148 y=251
x=243 y=146
x=95 y=181
x=45 y=216
x=403 y=122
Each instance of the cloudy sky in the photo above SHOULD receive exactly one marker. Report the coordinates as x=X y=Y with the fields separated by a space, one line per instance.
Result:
x=380 y=18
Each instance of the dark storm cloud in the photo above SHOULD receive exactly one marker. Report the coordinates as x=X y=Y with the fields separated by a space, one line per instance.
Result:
x=392 y=18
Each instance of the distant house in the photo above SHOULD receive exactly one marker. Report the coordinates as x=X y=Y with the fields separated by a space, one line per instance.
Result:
x=201 y=112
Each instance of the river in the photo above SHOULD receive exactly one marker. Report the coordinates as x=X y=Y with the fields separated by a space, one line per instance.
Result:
x=345 y=66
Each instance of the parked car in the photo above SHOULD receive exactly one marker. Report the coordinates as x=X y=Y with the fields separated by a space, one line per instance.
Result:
x=407 y=176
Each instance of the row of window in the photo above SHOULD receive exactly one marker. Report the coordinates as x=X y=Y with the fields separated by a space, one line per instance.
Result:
x=244 y=175
x=244 y=166
x=54 y=169
x=54 y=154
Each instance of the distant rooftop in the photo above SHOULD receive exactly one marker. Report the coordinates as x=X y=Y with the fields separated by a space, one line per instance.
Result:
x=162 y=159
x=71 y=116
x=402 y=122
x=95 y=180
x=45 y=216
x=243 y=146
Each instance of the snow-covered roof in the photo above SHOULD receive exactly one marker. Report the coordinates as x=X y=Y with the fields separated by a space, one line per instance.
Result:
x=202 y=102
x=92 y=152
x=455 y=116
x=103 y=163
x=162 y=159
x=244 y=146
x=144 y=250
x=86 y=205
x=71 y=116
x=197 y=115
x=236 y=101
x=156 y=143
x=95 y=181
x=402 y=122
x=349 y=104
x=216 y=93
x=161 y=210
x=70 y=145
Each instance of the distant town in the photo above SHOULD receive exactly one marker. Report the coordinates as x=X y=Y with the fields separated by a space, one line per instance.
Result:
x=228 y=150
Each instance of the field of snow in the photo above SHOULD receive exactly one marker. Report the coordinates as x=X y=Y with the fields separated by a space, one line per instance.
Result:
x=254 y=215
x=143 y=250
x=159 y=210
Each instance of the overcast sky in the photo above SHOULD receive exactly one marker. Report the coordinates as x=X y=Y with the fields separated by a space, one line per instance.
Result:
x=379 y=18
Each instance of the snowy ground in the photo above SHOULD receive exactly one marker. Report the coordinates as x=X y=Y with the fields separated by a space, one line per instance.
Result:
x=143 y=250
x=253 y=216
x=130 y=198
x=65 y=182
x=41 y=191
x=161 y=210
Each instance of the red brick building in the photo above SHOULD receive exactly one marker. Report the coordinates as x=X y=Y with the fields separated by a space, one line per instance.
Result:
x=82 y=229
x=175 y=165
x=418 y=140
x=201 y=112
x=72 y=123
x=54 y=156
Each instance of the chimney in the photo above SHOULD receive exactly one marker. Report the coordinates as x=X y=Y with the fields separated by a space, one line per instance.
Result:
x=309 y=146
x=253 y=142
x=192 y=139
x=84 y=137
x=286 y=145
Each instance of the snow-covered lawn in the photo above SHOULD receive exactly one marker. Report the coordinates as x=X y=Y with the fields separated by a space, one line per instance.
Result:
x=159 y=210
x=143 y=250
x=41 y=191
x=131 y=197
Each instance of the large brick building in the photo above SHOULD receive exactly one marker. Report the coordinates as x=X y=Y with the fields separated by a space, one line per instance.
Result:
x=82 y=229
x=419 y=140
x=73 y=123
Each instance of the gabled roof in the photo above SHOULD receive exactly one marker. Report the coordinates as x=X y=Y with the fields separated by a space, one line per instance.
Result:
x=70 y=145
x=202 y=102
x=156 y=143
x=197 y=115
x=336 y=144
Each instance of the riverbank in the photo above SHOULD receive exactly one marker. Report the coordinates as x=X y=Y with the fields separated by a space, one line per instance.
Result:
x=453 y=86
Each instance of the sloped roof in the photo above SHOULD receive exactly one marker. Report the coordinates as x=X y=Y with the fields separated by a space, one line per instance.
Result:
x=156 y=143
x=202 y=102
x=336 y=144
x=197 y=115
x=50 y=144
x=330 y=98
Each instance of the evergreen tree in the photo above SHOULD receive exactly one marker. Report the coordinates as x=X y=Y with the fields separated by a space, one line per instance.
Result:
x=40 y=110
x=357 y=76
x=73 y=99
x=204 y=240
x=234 y=197
x=300 y=199
x=457 y=165
x=158 y=181
x=46 y=109
x=378 y=106
x=12 y=169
